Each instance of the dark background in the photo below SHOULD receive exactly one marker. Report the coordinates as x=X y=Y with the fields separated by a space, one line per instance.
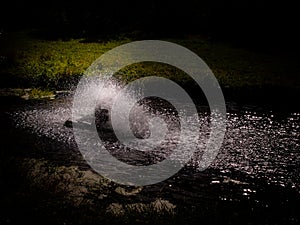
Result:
x=257 y=24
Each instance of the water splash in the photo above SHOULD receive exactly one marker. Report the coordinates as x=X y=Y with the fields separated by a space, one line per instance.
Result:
x=260 y=144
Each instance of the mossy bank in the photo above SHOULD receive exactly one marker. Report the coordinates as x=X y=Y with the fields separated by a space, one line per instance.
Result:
x=29 y=62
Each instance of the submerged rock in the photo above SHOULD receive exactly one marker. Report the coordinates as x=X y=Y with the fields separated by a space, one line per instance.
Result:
x=156 y=207
x=101 y=119
x=123 y=191
x=68 y=123
x=75 y=185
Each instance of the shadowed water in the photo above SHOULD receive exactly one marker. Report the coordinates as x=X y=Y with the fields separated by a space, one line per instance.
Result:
x=260 y=143
x=257 y=166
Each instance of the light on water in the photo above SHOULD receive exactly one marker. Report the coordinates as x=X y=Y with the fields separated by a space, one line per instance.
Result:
x=259 y=144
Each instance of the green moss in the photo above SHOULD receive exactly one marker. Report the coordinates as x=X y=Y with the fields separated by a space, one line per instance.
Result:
x=49 y=64
x=37 y=93
x=30 y=93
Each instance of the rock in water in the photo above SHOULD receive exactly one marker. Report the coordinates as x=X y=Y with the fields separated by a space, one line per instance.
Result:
x=101 y=119
x=68 y=123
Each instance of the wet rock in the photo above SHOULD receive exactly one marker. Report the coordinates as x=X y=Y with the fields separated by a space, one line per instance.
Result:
x=158 y=207
x=123 y=191
x=68 y=123
x=115 y=209
x=68 y=181
x=101 y=120
x=161 y=205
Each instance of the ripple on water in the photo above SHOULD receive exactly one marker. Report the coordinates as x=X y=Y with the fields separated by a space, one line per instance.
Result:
x=261 y=145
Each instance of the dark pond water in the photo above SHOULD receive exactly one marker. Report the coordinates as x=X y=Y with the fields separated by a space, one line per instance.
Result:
x=255 y=178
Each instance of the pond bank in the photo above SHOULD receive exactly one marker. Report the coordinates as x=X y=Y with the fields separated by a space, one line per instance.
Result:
x=27 y=62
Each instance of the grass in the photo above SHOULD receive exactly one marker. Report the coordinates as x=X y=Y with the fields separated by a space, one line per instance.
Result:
x=41 y=63
x=29 y=62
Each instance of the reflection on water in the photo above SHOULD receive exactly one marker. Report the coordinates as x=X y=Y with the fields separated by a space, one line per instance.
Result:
x=259 y=144
x=258 y=163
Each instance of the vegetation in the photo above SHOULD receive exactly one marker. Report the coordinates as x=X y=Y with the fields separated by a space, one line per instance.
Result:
x=29 y=62
x=32 y=62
